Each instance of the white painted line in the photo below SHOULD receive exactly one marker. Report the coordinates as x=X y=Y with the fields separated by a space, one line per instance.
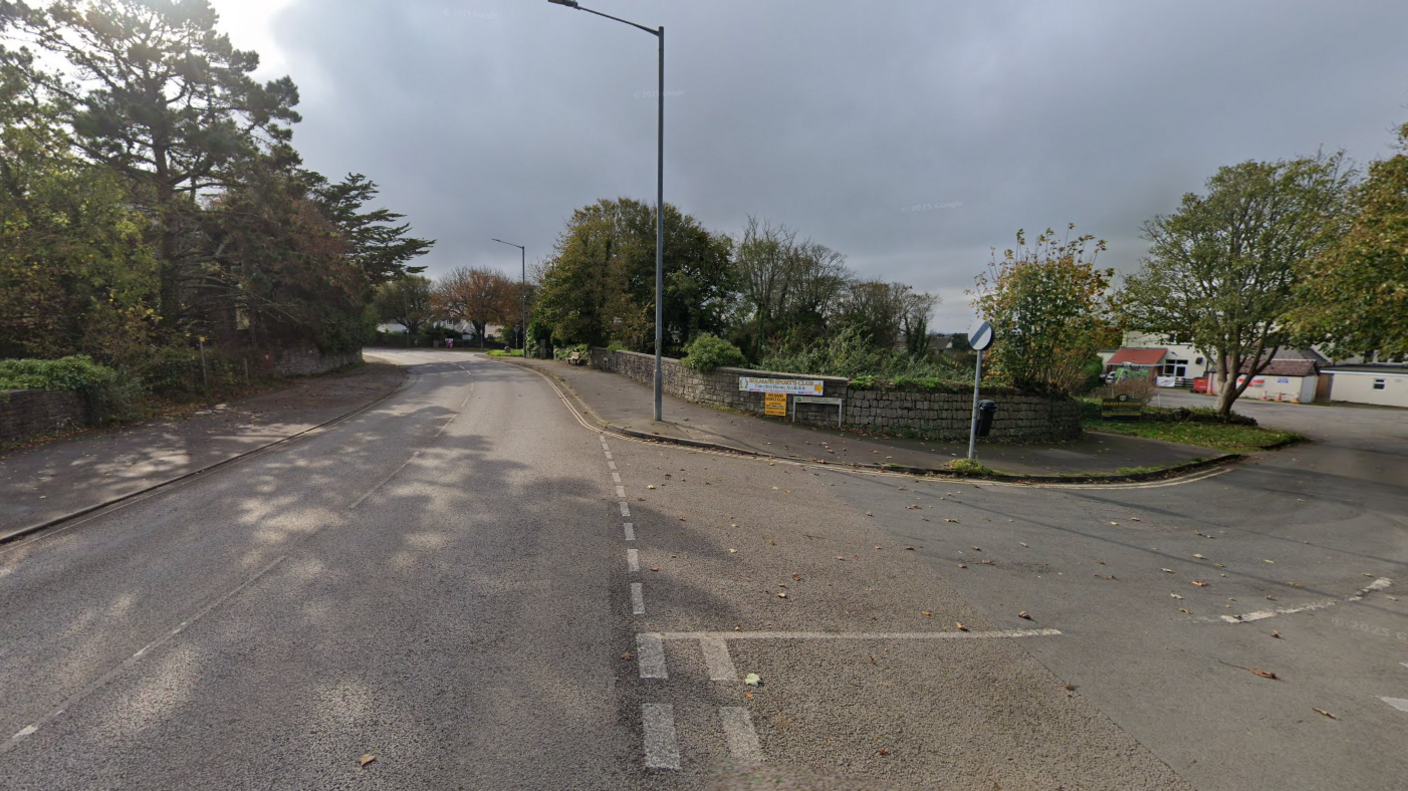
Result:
x=1405 y=664
x=625 y=509
x=620 y=491
x=608 y=456
x=662 y=751
x=27 y=730
x=630 y=531
x=384 y=481
x=650 y=655
x=742 y=739
x=637 y=599
x=633 y=560
x=615 y=477
x=1397 y=703
x=604 y=447
x=1260 y=615
x=1007 y=634
x=717 y=658
x=611 y=464
x=1377 y=585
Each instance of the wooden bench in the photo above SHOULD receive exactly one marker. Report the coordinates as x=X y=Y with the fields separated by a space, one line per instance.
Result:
x=576 y=358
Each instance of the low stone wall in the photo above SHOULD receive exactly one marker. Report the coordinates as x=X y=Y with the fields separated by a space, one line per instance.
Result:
x=29 y=413
x=311 y=362
x=932 y=415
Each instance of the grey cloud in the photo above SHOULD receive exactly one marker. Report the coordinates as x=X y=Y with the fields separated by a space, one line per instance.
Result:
x=483 y=119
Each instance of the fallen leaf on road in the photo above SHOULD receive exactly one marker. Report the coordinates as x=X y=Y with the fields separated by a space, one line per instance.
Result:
x=796 y=577
x=366 y=759
x=1135 y=519
x=927 y=614
x=976 y=549
x=961 y=627
x=838 y=557
x=960 y=565
x=732 y=551
x=1023 y=614
x=1276 y=635
x=650 y=486
x=681 y=519
x=1263 y=673
x=1272 y=562
x=877 y=547
x=1167 y=571
x=988 y=562
x=1185 y=611
x=627 y=656
x=753 y=680
x=1297 y=585
x=1019 y=542
x=910 y=548
x=782 y=595
x=1326 y=713
x=1115 y=523
x=867 y=513
x=1175 y=595
x=955 y=521
x=1200 y=583
x=1219 y=565
x=882 y=752
x=1199 y=557
x=655 y=569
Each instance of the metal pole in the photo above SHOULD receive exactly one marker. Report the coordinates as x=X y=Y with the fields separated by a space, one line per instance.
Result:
x=204 y=377
x=660 y=235
x=973 y=429
x=523 y=296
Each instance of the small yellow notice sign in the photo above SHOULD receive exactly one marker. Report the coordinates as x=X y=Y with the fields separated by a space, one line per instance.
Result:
x=775 y=404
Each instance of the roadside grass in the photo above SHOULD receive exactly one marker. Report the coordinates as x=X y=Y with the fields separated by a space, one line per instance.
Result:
x=503 y=353
x=1222 y=436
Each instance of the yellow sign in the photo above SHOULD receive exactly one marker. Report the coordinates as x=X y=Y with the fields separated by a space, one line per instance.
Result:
x=775 y=404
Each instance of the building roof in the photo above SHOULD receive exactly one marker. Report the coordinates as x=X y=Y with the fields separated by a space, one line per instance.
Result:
x=1141 y=357
x=1280 y=367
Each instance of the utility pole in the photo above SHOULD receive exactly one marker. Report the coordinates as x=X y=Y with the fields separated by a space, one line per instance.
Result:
x=522 y=293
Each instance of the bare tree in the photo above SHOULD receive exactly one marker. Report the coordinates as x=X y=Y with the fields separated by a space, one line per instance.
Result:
x=475 y=296
x=787 y=285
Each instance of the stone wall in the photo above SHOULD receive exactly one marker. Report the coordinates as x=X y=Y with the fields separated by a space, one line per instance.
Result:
x=933 y=415
x=28 y=413
x=311 y=362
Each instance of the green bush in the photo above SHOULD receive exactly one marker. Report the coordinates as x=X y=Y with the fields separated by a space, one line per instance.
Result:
x=111 y=394
x=707 y=352
x=563 y=352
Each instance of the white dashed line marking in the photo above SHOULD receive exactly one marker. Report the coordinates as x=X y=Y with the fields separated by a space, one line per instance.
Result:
x=615 y=477
x=662 y=751
x=27 y=730
x=1006 y=634
x=608 y=456
x=620 y=491
x=717 y=658
x=650 y=655
x=611 y=464
x=637 y=599
x=632 y=560
x=630 y=531
x=742 y=738
x=1397 y=703
x=625 y=509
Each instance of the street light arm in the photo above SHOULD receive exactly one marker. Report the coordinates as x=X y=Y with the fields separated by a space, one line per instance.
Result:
x=608 y=16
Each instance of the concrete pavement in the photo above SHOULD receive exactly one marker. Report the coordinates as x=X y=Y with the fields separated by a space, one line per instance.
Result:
x=61 y=478
x=617 y=400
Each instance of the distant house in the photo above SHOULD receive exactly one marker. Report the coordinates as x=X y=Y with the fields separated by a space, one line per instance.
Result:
x=1292 y=375
x=1166 y=360
x=1385 y=384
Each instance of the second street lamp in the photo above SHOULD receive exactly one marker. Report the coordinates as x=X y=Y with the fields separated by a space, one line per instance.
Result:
x=522 y=291
x=659 y=33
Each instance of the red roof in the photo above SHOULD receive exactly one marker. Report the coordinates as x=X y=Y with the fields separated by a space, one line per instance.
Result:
x=1285 y=368
x=1145 y=357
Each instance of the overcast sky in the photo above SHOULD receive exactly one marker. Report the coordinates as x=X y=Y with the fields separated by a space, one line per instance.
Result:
x=910 y=136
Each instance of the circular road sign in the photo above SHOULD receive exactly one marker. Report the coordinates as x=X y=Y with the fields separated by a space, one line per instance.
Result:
x=980 y=335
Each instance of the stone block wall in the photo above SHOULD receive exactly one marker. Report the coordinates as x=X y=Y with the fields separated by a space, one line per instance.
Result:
x=932 y=415
x=311 y=362
x=28 y=413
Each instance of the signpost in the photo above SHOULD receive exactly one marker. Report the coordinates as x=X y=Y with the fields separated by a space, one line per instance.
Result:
x=775 y=404
x=980 y=337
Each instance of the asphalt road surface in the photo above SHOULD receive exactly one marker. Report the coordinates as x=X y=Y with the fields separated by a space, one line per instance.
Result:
x=472 y=588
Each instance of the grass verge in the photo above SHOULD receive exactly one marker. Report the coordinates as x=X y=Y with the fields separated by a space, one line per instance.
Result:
x=1222 y=436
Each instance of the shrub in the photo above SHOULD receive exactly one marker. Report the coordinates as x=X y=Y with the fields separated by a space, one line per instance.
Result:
x=563 y=352
x=849 y=353
x=111 y=394
x=707 y=352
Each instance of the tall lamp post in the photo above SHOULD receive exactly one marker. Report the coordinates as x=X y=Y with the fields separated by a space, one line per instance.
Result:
x=659 y=196
x=522 y=291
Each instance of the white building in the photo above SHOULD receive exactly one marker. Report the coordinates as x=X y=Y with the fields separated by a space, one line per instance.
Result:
x=1385 y=385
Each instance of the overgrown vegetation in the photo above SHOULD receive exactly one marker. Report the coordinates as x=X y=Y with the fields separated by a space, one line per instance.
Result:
x=707 y=352
x=111 y=395
x=150 y=195
x=851 y=354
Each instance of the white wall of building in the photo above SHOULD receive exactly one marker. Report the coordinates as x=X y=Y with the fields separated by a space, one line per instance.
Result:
x=1387 y=388
x=1295 y=389
x=1177 y=353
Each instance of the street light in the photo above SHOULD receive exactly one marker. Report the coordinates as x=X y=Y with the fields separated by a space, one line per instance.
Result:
x=659 y=195
x=522 y=290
